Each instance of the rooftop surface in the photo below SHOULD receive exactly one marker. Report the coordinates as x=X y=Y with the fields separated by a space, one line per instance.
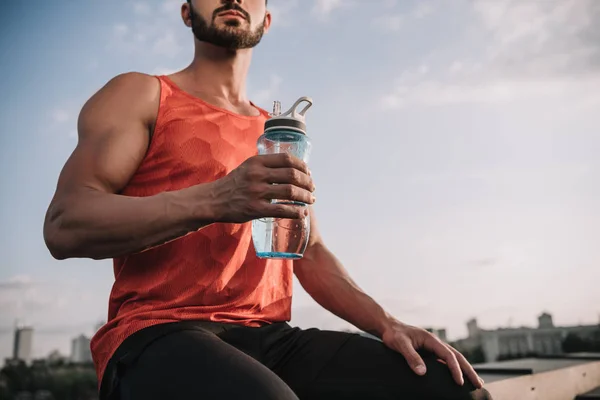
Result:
x=591 y=395
x=527 y=366
x=565 y=377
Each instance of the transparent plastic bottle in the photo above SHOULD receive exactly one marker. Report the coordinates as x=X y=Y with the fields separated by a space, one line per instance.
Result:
x=284 y=133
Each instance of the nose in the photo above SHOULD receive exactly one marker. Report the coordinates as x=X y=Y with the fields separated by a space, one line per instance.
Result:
x=239 y=2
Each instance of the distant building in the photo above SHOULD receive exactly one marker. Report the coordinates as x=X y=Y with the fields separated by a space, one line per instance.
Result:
x=80 y=350
x=545 y=340
x=23 y=342
x=473 y=329
x=545 y=321
x=55 y=357
x=440 y=333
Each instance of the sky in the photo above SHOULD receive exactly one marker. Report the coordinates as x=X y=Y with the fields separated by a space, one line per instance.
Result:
x=455 y=150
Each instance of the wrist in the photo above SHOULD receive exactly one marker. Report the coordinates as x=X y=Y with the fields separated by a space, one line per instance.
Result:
x=388 y=324
x=202 y=206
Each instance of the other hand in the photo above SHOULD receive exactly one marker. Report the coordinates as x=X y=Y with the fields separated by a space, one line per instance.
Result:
x=246 y=193
x=407 y=339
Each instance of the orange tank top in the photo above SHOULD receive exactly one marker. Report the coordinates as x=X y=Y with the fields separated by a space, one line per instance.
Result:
x=212 y=274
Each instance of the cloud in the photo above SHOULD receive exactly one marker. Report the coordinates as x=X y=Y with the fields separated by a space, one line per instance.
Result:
x=171 y=7
x=422 y=10
x=93 y=65
x=50 y=307
x=282 y=12
x=141 y=8
x=555 y=173
x=327 y=6
x=542 y=37
x=167 y=45
x=60 y=116
x=16 y=283
x=322 y=8
x=267 y=94
x=484 y=90
x=126 y=38
x=531 y=51
x=120 y=30
x=391 y=22
x=22 y=297
x=63 y=121
x=153 y=29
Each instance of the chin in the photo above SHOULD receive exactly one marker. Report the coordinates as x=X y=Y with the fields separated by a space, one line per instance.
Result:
x=234 y=30
x=233 y=23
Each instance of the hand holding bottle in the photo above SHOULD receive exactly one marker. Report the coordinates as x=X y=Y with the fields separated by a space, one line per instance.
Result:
x=247 y=192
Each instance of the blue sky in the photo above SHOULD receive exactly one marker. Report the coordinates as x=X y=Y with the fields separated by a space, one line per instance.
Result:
x=455 y=149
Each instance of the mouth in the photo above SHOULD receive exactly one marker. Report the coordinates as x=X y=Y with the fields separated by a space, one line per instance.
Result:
x=231 y=13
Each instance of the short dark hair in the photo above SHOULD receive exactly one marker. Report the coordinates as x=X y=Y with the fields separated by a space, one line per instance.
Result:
x=266 y=1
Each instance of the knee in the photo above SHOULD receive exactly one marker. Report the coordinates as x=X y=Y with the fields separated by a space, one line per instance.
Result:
x=481 y=394
x=442 y=383
x=272 y=390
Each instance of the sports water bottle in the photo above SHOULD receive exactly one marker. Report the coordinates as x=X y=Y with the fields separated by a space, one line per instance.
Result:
x=284 y=133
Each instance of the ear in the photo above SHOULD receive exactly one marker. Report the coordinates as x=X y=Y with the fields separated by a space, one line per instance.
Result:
x=268 y=20
x=186 y=12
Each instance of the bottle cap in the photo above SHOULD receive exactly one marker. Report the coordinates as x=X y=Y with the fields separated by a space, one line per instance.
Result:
x=291 y=119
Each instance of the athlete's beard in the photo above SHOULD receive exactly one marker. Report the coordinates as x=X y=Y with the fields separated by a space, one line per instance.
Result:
x=231 y=36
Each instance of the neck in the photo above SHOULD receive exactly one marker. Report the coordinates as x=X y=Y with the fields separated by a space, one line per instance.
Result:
x=220 y=72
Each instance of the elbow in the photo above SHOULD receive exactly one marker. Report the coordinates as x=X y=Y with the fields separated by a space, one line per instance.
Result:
x=61 y=243
x=57 y=244
x=64 y=243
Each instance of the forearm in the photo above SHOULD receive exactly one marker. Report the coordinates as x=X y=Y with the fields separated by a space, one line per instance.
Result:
x=99 y=225
x=324 y=278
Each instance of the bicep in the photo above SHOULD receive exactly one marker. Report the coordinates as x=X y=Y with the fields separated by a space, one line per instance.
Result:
x=105 y=158
x=113 y=130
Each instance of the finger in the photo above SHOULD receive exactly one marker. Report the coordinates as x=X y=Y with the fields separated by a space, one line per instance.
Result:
x=284 y=211
x=283 y=160
x=289 y=193
x=291 y=176
x=442 y=351
x=413 y=358
x=467 y=368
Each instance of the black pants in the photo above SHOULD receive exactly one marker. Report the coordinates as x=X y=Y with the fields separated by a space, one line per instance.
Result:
x=199 y=360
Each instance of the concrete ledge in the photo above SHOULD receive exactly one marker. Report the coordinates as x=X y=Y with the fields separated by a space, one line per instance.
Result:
x=558 y=384
x=593 y=395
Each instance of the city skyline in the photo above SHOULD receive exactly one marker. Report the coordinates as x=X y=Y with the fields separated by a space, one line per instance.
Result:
x=68 y=353
x=455 y=150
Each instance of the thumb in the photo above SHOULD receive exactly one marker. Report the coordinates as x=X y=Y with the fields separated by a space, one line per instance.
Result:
x=413 y=359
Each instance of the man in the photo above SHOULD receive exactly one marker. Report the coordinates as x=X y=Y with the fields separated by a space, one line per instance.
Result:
x=165 y=180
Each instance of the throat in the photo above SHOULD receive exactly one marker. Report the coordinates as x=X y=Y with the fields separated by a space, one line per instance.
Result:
x=241 y=106
x=244 y=108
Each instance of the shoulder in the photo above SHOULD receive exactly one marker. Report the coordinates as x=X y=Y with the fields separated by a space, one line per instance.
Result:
x=140 y=82
x=131 y=93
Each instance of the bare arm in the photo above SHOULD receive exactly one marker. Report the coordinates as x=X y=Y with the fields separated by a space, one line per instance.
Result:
x=324 y=278
x=89 y=218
